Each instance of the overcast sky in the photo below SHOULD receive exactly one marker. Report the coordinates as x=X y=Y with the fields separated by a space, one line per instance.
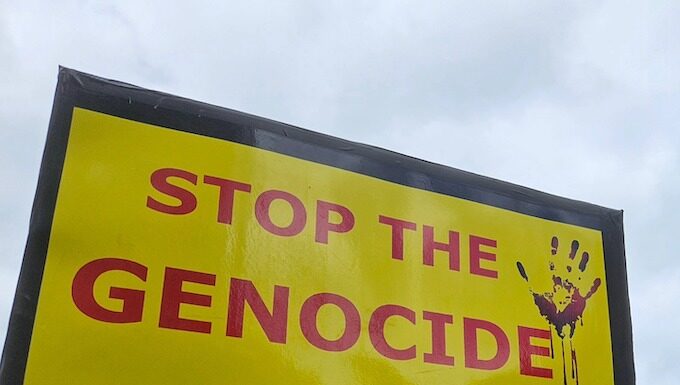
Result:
x=579 y=99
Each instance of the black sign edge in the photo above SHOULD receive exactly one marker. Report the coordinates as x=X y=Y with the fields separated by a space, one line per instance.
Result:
x=78 y=89
x=20 y=327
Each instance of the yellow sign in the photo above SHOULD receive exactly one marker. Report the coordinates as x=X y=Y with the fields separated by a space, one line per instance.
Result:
x=176 y=258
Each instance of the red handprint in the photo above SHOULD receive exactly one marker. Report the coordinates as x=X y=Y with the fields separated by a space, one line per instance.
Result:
x=563 y=304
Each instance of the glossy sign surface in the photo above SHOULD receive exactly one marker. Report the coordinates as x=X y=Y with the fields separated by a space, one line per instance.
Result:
x=178 y=258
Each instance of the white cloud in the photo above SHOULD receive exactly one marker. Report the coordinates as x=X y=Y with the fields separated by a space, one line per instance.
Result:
x=657 y=344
